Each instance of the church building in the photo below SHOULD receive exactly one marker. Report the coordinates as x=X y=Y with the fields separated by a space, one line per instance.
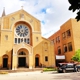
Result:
x=21 y=43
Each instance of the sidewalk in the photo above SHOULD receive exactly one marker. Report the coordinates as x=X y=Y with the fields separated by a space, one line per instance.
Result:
x=36 y=75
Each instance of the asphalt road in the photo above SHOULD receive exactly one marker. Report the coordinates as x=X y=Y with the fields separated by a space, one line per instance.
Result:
x=37 y=75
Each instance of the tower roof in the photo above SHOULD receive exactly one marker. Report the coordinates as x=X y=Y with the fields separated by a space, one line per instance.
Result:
x=3 y=14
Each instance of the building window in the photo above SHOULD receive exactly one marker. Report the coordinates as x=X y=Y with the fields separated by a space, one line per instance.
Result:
x=15 y=40
x=25 y=40
x=58 y=38
x=68 y=33
x=36 y=38
x=46 y=58
x=28 y=41
x=18 y=40
x=64 y=35
x=22 y=53
x=6 y=37
x=22 y=30
x=70 y=46
x=65 y=48
x=21 y=39
x=59 y=50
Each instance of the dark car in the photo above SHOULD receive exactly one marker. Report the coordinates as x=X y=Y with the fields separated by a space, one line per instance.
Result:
x=64 y=67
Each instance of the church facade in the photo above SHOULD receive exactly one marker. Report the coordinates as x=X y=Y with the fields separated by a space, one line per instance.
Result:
x=21 y=43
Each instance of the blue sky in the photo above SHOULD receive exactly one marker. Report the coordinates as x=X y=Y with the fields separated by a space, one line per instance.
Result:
x=51 y=13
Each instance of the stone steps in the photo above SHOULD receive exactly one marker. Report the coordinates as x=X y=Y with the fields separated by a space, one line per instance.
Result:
x=22 y=70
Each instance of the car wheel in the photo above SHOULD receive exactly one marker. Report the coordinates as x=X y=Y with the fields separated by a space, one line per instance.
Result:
x=78 y=70
x=64 y=71
x=58 y=71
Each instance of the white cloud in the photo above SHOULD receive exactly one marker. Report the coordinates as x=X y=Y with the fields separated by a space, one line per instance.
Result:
x=54 y=14
x=50 y=11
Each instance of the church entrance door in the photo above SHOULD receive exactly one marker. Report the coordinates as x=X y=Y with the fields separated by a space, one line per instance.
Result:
x=22 y=62
x=37 y=61
x=5 y=62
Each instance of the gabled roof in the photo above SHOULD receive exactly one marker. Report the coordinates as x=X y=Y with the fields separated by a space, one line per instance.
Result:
x=21 y=10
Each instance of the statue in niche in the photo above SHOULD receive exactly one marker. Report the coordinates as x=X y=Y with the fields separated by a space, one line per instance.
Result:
x=22 y=16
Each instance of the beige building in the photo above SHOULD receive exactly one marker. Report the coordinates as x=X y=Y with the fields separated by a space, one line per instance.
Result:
x=21 y=43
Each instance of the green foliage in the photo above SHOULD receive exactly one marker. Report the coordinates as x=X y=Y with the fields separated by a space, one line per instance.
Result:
x=75 y=5
x=76 y=57
x=2 y=72
x=50 y=69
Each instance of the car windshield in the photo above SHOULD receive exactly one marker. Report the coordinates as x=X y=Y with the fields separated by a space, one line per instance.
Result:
x=61 y=64
x=69 y=64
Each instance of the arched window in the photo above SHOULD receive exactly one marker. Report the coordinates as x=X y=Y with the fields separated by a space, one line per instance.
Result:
x=22 y=53
x=65 y=48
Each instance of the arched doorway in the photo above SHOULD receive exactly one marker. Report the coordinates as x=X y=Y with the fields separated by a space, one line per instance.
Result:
x=5 y=61
x=37 y=60
x=23 y=58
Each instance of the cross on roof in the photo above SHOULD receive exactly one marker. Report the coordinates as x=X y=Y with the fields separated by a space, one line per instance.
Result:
x=22 y=7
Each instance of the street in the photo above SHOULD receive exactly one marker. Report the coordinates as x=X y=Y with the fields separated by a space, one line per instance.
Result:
x=37 y=75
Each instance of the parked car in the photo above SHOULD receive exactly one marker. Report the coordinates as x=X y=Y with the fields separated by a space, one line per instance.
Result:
x=64 y=67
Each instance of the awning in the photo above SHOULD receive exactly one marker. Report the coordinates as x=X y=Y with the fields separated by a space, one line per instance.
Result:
x=60 y=56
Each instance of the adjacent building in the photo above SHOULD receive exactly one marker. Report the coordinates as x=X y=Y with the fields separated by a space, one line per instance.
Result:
x=66 y=40
x=21 y=43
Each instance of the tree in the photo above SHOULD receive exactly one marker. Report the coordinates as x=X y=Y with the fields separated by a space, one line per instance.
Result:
x=76 y=57
x=75 y=5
